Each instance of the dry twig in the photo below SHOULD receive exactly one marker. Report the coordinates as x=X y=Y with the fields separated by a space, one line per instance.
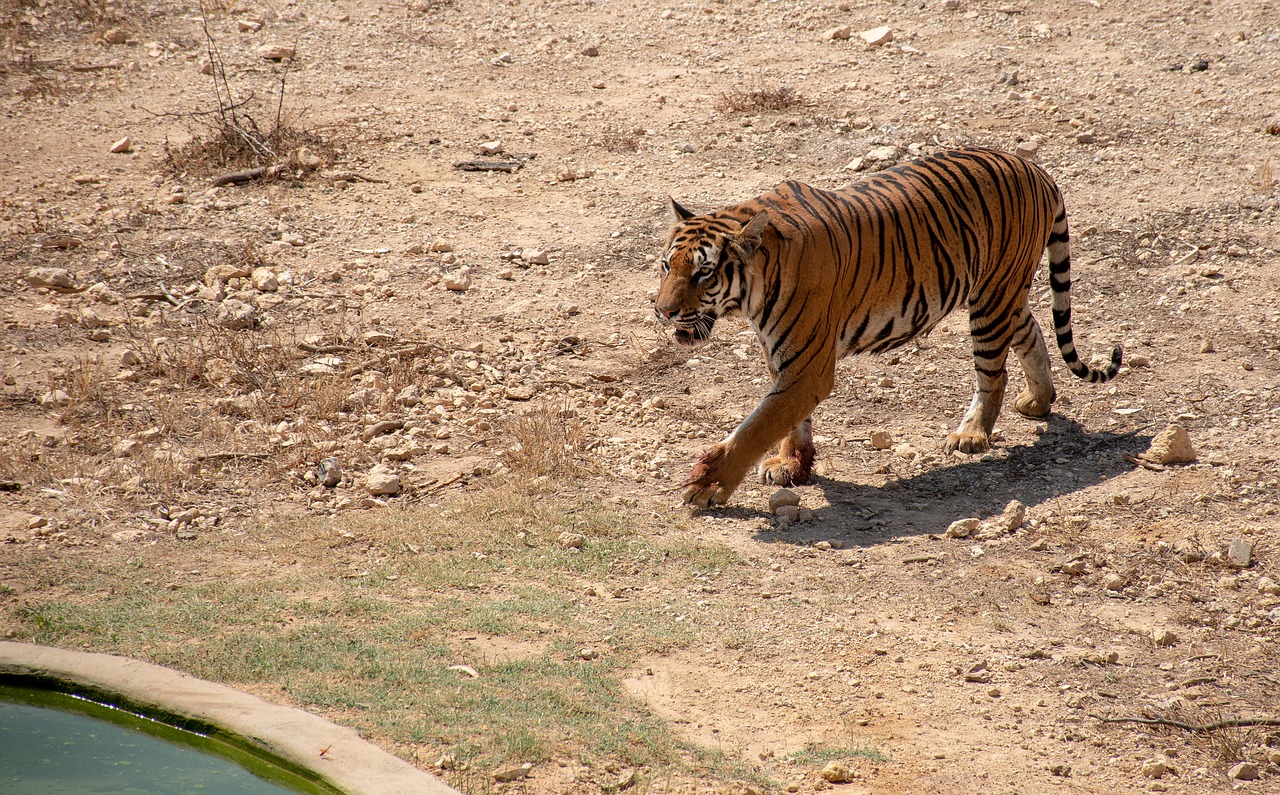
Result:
x=1198 y=728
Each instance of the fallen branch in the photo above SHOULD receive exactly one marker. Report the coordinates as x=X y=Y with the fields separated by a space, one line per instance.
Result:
x=239 y=177
x=1198 y=728
x=1136 y=461
x=230 y=456
x=352 y=176
x=509 y=166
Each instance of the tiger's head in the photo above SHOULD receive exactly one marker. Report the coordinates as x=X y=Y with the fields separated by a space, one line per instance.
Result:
x=704 y=270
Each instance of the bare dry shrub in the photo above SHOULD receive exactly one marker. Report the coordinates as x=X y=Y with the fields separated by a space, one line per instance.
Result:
x=545 y=441
x=615 y=140
x=757 y=98
x=242 y=131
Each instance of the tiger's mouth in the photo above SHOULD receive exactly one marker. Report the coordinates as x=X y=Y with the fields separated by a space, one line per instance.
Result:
x=696 y=334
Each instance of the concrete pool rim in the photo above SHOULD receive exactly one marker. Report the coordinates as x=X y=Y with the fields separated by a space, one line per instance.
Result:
x=293 y=737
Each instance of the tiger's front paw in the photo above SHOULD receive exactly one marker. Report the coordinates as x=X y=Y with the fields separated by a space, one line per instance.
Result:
x=788 y=470
x=970 y=443
x=708 y=483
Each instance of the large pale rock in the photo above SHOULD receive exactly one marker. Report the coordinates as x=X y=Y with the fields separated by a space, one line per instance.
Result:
x=382 y=480
x=1172 y=446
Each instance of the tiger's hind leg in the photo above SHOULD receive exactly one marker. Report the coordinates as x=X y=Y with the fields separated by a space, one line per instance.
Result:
x=1028 y=343
x=794 y=462
x=990 y=351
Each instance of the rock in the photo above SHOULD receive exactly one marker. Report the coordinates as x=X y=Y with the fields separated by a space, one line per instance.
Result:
x=55 y=397
x=1240 y=553
x=963 y=528
x=236 y=315
x=377 y=339
x=509 y=774
x=535 y=256
x=876 y=37
x=590 y=51
x=1171 y=446
x=1073 y=568
x=881 y=440
x=99 y=291
x=787 y=514
x=1015 y=513
x=459 y=281
x=907 y=451
x=588 y=653
x=837 y=773
x=1268 y=586
x=783 y=497
x=1027 y=150
x=221 y=274
x=570 y=540
x=1114 y=582
x=409 y=396
x=122 y=146
x=1243 y=771
x=293 y=239
x=58 y=279
x=519 y=392
x=881 y=154
x=115 y=36
x=441 y=246
x=382 y=480
x=837 y=34
x=1154 y=768
x=125 y=448
x=264 y=280
x=1164 y=637
x=329 y=473
x=276 y=52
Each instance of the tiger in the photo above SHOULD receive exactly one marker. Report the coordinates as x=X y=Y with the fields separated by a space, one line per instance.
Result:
x=824 y=274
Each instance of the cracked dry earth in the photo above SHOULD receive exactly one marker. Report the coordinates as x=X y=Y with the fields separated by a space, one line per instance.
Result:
x=970 y=665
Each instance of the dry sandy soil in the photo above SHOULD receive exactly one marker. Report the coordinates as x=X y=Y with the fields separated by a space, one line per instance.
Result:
x=972 y=665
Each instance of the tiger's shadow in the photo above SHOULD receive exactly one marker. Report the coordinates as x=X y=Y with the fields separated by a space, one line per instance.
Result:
x=926 y=503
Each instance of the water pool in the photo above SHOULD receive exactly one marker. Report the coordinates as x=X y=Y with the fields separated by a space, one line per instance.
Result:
x=52 y=742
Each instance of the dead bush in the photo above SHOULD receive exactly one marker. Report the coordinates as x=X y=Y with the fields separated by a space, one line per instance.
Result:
x=756 y=99
x=545 y=441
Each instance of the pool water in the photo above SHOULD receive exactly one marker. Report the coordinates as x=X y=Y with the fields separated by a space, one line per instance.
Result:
x=51 y=742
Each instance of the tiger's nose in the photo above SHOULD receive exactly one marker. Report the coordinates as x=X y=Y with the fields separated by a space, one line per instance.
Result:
x=665 y=312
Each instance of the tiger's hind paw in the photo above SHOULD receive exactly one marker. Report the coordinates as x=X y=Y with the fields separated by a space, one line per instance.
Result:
x=1028 y=405
x=781 y=470
x=970 y=443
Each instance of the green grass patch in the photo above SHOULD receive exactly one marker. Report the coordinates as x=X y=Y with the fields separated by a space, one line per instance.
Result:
x=817 y=754
x=362 y=617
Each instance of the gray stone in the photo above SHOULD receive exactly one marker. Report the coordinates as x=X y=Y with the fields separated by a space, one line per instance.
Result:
x=329 y=473
x=1240 y=553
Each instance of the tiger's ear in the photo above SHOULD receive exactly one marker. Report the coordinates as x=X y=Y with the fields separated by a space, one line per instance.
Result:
x=678 y=212
x=748 y=239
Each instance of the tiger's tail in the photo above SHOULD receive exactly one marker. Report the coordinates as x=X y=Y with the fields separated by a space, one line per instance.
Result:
x=1060 y=282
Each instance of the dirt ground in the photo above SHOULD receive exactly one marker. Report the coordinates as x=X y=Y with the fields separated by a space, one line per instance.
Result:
x=971 y=665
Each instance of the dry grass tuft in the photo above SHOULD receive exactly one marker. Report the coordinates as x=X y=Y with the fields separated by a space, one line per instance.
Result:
x=758 y=98
x=545 y=441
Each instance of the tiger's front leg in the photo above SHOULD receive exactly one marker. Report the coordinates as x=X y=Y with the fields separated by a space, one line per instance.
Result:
x=723 y=466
